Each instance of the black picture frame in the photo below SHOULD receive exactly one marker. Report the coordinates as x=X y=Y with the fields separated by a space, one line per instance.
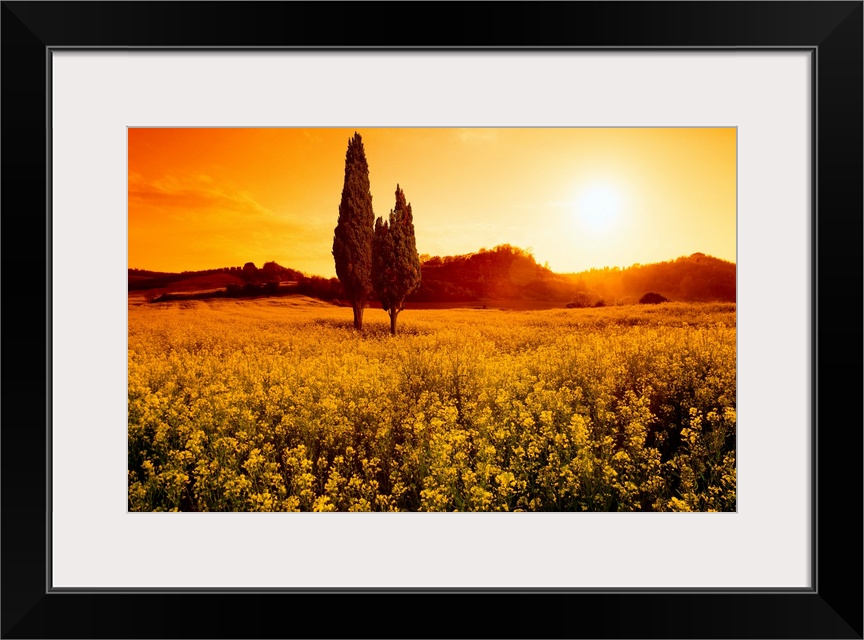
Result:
x=832 y=608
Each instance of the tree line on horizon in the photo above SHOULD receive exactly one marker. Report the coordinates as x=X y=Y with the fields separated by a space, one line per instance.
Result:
x=507 y=272
x=502 y=273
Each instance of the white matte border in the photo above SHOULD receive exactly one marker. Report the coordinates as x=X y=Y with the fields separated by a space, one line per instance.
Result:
x=97 y=95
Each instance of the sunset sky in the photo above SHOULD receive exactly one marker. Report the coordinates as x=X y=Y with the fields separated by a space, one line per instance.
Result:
x=576 y=198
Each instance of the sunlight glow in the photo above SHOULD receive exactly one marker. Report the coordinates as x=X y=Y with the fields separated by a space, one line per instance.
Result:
x=599 y=208
x=206 y=198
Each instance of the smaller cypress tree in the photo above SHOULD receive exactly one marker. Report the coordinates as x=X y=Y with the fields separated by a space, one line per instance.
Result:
x=395 y=262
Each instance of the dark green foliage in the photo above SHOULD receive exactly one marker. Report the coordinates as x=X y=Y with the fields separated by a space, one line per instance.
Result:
x=395 y=262
x=352 y=238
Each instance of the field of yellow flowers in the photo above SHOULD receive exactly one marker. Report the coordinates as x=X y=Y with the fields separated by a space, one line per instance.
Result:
x=279 y=405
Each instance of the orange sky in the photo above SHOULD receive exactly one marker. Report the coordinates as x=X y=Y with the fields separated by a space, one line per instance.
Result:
x=577 y=198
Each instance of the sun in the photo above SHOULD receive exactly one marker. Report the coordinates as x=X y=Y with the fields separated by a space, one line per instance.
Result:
x=598 y=208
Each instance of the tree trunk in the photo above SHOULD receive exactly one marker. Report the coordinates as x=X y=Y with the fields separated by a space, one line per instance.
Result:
x=358 y=315
x=393 y=313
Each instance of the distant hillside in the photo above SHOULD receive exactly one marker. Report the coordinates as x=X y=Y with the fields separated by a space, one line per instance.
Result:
x=271 y=272
x=693 y=278
x=505 y=273
x=232 y=282
x=502 y=273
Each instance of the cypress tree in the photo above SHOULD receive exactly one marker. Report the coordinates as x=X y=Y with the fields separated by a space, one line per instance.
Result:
x=395 y=262
x=352 y=238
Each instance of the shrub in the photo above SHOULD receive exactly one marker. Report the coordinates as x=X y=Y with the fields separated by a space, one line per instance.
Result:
x=652 y=298
x=581 y=300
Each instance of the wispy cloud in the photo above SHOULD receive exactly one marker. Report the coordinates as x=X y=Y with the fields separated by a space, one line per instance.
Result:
x=200 y=222
x=200 y=192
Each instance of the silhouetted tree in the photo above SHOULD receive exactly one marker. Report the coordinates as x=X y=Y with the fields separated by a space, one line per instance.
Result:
x=250 y=272
x=395 y=262
x=352 y=238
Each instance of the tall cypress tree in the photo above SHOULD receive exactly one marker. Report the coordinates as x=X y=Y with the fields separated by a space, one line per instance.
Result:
x=352 y=238
x=395 y=263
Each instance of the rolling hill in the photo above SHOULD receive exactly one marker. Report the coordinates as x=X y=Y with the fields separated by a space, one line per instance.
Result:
x=505 y=273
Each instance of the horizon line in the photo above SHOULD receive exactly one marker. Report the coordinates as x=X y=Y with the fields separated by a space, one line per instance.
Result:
x=482 y=249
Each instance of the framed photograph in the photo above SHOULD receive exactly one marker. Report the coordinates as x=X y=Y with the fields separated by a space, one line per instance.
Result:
x=203 y=169
x=418 y=361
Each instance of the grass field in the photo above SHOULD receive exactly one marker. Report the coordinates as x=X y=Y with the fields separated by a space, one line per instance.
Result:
x=277 y=404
